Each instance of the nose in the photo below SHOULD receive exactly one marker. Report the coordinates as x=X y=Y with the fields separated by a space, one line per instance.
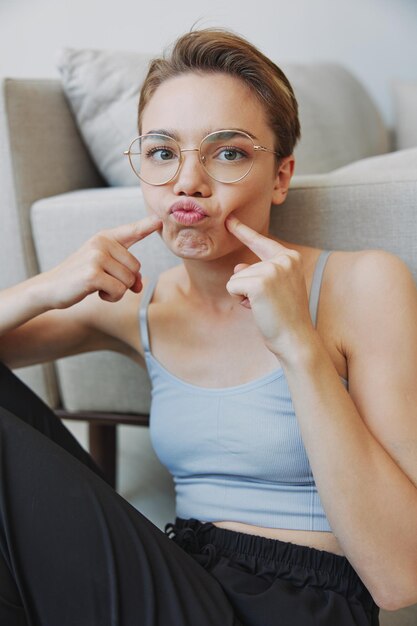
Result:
x=192 y=179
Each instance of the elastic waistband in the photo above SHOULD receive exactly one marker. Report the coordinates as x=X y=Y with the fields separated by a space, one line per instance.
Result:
x=195 y=536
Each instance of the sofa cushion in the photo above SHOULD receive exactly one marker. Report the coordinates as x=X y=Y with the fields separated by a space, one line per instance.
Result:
x=393 y=166
x=368 y=204
x=61 y=224
x=339 y=121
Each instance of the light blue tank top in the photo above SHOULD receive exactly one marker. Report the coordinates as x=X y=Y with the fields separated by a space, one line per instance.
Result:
x=235 y=453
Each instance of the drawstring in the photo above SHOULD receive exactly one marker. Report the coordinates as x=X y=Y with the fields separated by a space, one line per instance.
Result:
x=188 y=539
x=210 y=549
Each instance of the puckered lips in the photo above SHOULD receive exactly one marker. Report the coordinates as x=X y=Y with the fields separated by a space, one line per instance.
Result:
x=187 y=212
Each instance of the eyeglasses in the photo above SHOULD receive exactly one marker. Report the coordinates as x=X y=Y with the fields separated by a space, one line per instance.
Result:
x=226 y=155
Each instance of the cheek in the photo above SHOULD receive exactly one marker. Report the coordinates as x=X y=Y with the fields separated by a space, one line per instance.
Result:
x=252 y=203
x=152 y=201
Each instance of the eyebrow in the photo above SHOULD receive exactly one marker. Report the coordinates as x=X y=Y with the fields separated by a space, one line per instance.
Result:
x=169 y=132
x=163 y=131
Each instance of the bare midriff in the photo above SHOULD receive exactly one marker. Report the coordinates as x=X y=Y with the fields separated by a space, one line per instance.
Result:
x=313 y=539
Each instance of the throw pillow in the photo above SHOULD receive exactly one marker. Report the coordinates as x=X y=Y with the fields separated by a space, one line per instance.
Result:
x=405 y=112
x=102 y=88
x=339 y=122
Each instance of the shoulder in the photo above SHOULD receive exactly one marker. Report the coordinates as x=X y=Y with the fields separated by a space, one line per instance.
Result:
x=366 y=273
x=114 y=324
x=371 y=277
x=121 y=320
x=372 y=291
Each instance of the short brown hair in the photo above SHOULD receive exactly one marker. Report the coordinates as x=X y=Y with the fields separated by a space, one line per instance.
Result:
x=217 y=50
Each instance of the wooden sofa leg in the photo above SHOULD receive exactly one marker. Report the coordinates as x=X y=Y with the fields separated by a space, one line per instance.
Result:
x=102 y=445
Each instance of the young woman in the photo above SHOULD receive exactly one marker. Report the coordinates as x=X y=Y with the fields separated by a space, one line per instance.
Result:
x=287 y=420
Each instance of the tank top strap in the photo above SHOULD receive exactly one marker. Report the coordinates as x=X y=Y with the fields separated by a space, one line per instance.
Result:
x=313 y=301
x=143 y=313
x=316 y=284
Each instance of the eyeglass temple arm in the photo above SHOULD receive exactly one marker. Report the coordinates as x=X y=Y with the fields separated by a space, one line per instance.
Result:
x=265 y=150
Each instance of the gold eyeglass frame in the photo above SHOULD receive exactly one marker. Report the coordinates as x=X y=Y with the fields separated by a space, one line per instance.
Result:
x=257 y=148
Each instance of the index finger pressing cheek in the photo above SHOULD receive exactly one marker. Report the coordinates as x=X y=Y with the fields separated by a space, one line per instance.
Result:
x=264 y=247
x=128 y=234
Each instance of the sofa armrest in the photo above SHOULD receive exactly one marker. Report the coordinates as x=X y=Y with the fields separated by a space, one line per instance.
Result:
x=41 y=154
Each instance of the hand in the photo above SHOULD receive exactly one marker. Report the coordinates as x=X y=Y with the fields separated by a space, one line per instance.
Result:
x=102 y=264
x=274 y=288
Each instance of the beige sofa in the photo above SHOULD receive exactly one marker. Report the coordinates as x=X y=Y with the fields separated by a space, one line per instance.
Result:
x=352 y=190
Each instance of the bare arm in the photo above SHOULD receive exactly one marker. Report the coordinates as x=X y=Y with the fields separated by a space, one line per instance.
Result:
x=59 y=333
x=59 y=313
x=20 y=303
x=25 y=325
x=361 y=443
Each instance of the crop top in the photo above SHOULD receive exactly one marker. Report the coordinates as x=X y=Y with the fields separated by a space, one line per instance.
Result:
x=235 y=453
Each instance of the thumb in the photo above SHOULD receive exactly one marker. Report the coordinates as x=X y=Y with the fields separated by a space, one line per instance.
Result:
x=239 y=267
x=243 y=301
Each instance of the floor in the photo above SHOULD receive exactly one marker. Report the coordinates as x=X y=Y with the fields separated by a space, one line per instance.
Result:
x=142 y=480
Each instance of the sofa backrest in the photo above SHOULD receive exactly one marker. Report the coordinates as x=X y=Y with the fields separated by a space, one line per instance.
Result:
x=340 y=123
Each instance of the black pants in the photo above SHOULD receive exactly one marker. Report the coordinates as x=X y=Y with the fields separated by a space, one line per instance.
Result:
x=75 y=553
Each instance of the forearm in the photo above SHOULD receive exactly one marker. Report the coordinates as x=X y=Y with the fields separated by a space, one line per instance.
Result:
x=370 y=502
x=21 y=303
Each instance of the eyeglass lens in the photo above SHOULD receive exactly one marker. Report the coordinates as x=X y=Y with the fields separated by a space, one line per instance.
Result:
x=227 y=156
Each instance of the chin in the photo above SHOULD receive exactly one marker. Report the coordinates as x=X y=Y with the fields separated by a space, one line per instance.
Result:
x=188 y=242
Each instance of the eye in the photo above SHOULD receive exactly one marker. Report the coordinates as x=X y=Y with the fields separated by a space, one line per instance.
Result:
x=160 y=154
x=230 y=154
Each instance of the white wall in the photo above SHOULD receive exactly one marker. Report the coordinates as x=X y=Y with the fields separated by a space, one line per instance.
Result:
x=376 y=39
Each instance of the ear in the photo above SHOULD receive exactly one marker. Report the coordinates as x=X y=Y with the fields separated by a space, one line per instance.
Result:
x=283 y=179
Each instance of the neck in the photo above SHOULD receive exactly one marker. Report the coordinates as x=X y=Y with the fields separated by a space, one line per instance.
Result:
x=205 y=281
